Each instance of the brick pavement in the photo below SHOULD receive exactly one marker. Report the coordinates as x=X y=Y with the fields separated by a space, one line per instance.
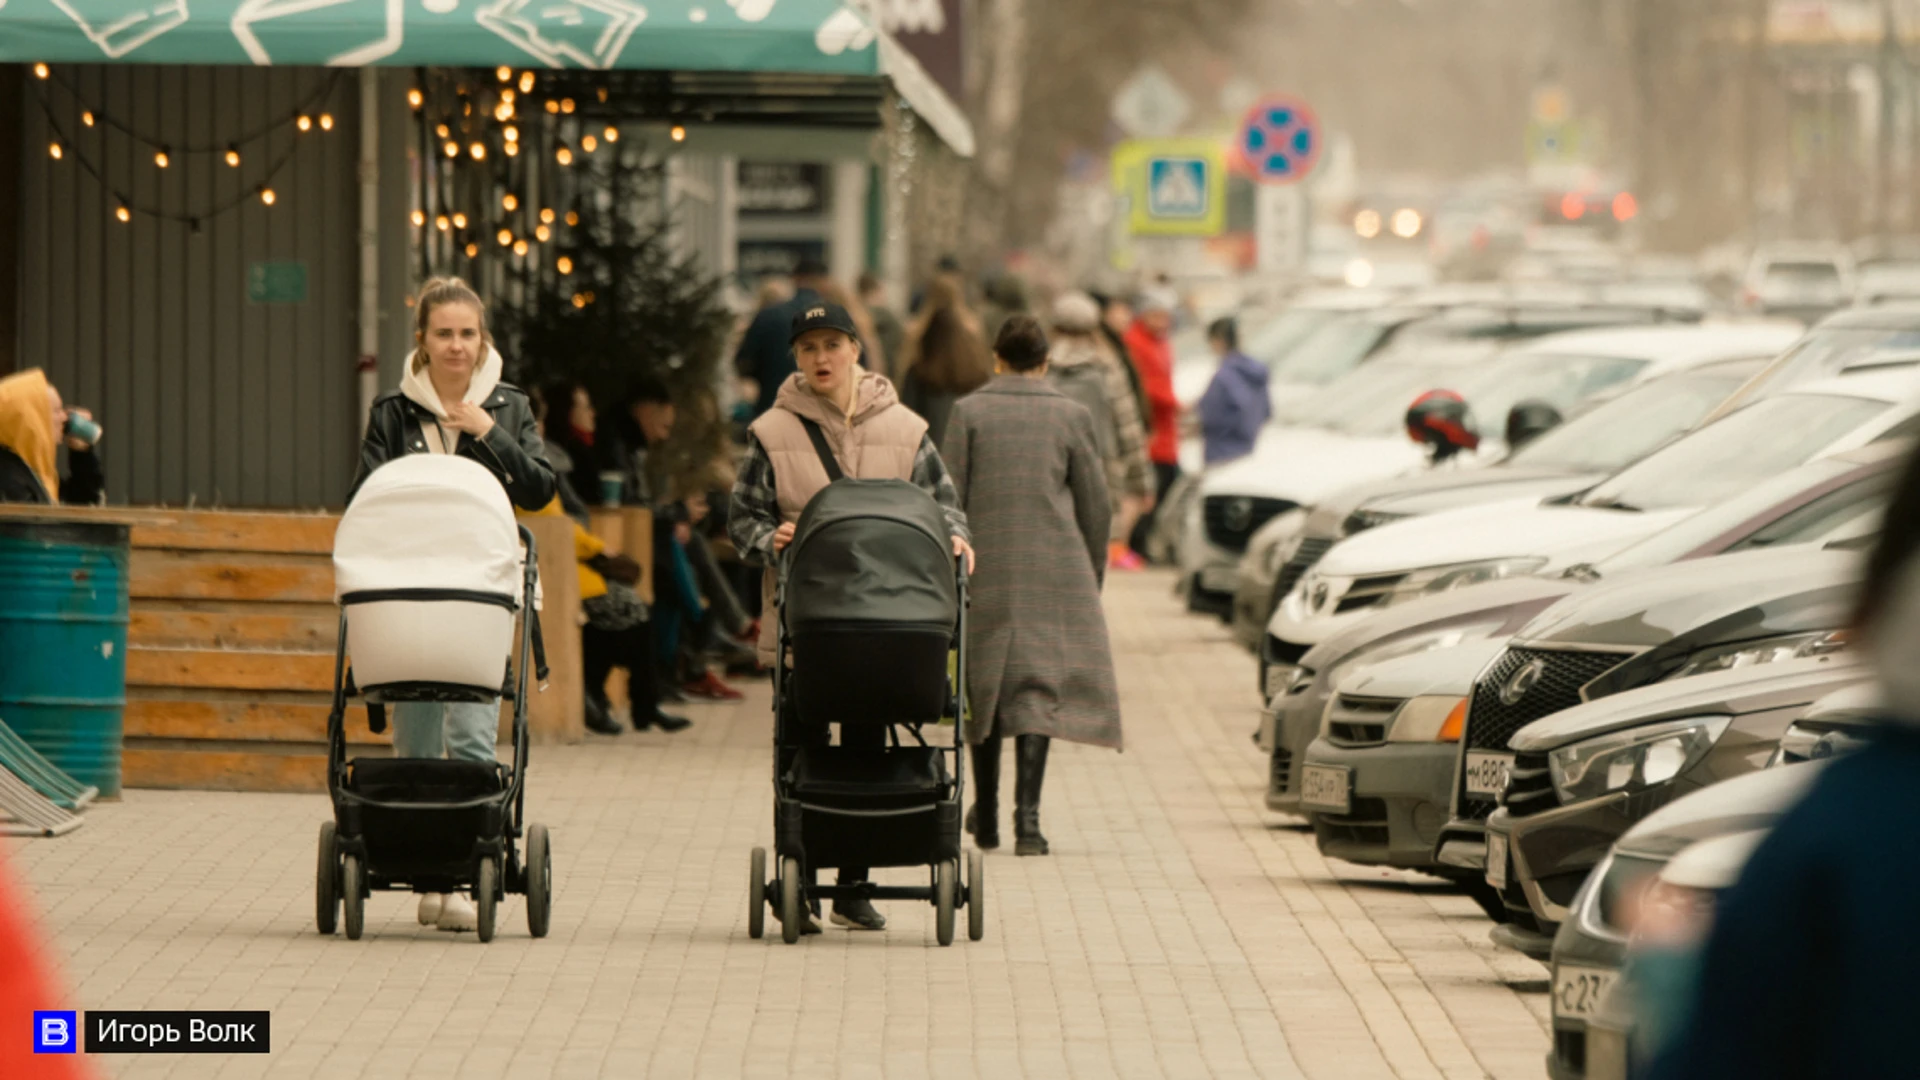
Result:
x=1177 y=930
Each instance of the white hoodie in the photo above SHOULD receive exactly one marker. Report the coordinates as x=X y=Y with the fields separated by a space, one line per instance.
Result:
x=418 y=388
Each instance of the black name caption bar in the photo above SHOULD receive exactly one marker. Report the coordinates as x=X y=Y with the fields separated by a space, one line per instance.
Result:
x=171 y=1032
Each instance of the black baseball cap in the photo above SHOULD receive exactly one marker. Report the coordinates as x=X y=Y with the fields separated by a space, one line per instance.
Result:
x=822 y=316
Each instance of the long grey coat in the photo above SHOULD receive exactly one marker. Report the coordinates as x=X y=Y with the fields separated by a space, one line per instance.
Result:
x=1035 y=492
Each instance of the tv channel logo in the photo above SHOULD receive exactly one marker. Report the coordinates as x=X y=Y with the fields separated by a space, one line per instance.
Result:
x=55 y=1032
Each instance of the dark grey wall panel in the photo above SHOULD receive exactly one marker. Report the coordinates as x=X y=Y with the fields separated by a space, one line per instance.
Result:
x=206 y=397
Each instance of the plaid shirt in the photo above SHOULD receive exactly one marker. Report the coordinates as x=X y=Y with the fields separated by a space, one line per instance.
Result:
x=754 y=514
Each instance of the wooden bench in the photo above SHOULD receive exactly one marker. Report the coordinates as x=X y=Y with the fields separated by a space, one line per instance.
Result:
x=230 y=648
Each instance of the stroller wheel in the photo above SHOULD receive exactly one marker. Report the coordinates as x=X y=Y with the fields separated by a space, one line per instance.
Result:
x=353 y=891
x=976 y=895
x=757 y=896
x=483 y=898
x=539 y=881
x=326 y=883
x=790 y=913
x=943 y=890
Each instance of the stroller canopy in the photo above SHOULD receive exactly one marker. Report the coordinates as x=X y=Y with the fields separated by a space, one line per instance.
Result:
x=871 y=551
x=428 y=521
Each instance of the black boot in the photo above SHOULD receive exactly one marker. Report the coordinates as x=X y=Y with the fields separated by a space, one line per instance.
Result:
x=983 y=818
x=1029 y=772
x=600 y=715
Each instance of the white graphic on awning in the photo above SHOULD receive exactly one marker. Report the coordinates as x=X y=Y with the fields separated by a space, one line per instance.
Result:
x=384 y=34
x=119 y=28
x=584 y=33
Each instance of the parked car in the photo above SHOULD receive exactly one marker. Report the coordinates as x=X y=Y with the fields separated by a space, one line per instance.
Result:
x=1803 y=281
x=1395 y=562
x=1888 y=283
x=1394 y=788
x=1856 y=340
x=1355 y=430
x=1590 y=947
x=1676 y=624
x=1690 y=371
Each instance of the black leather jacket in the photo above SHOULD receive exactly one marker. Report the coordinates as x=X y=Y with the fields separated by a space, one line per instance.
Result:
x=512 y=450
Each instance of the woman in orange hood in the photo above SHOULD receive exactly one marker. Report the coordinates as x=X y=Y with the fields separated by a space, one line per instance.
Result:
x=33 y=423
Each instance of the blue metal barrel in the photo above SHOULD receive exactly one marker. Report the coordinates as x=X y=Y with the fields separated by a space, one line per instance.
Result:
x=63 y=643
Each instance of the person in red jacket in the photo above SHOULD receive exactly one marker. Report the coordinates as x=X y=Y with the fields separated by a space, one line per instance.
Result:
x=1152 y=355
x=26 y=986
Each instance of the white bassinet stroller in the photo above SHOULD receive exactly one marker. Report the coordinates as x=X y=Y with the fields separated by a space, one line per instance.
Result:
x=429 y=575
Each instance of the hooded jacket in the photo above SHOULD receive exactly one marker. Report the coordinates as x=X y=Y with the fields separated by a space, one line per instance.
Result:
x=1234 y=408
x=30 y=449
x=402 y=420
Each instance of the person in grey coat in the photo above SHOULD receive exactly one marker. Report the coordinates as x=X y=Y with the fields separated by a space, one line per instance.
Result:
x=1023 y=458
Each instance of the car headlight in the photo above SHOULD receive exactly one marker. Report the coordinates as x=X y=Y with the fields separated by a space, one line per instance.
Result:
x=1439 y=579
x=1429 y=718
x=1814 y=744
x=1742 y=654
x=1632 y=760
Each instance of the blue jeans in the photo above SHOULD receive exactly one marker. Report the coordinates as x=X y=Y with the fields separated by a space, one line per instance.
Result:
x=464 y=731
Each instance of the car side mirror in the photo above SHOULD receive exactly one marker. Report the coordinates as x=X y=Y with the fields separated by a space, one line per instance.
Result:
x=1529 y=420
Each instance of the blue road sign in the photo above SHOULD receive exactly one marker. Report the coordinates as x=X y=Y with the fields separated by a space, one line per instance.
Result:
x=1281 y=140
x=1177 y=188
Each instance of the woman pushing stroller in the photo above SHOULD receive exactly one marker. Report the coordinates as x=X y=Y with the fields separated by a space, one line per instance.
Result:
x=452 y=401
x=872 y=436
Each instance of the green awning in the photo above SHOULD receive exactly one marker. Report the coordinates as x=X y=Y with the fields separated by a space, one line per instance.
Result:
x=800 y=37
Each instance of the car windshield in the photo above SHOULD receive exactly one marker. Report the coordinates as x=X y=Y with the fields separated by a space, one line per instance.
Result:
x=1827 y=352
x=1358 y=403
x=1620 y=432
x=1688 y=535
x=1492 y=390
x=1803 y=274
x=1759 y=441
x=1277 y=338
x=1331 y=351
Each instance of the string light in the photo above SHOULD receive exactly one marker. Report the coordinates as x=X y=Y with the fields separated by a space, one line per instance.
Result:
x=478 y=150
x=520 y=247
x=266 y=195
x=87 y=118
x=503 y=73
x=443 y=223
x=573 y=218
x=233 y=157
x=40 y=71
x=579 y=300
x=677 y=133
x=124 y=214
x=546 y=216
x=473 y=250
x=589 y=143
x=603 y=95
x=566 y=106
x=161 y=159
x=509 y=202
x=503 y=112
x=513 y=149
x=510 y=133
x=612 y=134
x=326 y=121
x=553 y=106
x=453 y=149
x=415 y=98
x=505 y=237
x=54 y=149
x=542 y=233
x=507 y=95
x=563 y=155
x=305 y=123
x=563 y=264
x=526 y=82
x=441 y=131
x=419 y=218
x=459 y=221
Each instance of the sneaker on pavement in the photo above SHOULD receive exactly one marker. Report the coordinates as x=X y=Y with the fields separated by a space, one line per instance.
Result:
x=1126 y=559
x=430 y=904
x=858 y=915
x=458 y=913
x=710 y=687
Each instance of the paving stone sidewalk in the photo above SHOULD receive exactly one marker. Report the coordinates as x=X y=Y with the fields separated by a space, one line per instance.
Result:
x=1178 y=929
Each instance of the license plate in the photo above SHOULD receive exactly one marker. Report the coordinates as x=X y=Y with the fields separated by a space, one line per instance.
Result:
x=1326 y=788
x=1578 y=991
x=1487 y=773
x=1220 y=579
x=1497 y=860
x=1279 y=678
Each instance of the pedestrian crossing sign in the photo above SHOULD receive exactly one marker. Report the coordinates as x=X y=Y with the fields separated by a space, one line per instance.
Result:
x=1172 y=187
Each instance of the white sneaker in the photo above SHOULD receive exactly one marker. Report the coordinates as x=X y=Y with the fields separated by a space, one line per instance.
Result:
x=430 y=904
x=458 y=913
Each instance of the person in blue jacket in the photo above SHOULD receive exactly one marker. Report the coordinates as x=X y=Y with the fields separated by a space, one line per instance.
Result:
x=1808 y=970
x=1235 y=406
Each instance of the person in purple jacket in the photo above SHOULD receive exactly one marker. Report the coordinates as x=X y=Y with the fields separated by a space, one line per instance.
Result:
x=1235 y=406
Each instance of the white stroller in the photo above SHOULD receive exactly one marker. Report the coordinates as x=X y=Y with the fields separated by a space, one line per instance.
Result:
x=429 y=575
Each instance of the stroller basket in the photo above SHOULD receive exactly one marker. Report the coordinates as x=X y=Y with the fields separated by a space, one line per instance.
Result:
x=427 y=815
x=868 y=673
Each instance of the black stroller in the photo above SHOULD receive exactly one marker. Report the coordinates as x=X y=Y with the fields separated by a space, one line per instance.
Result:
x=870 y=609
x=430 y=576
